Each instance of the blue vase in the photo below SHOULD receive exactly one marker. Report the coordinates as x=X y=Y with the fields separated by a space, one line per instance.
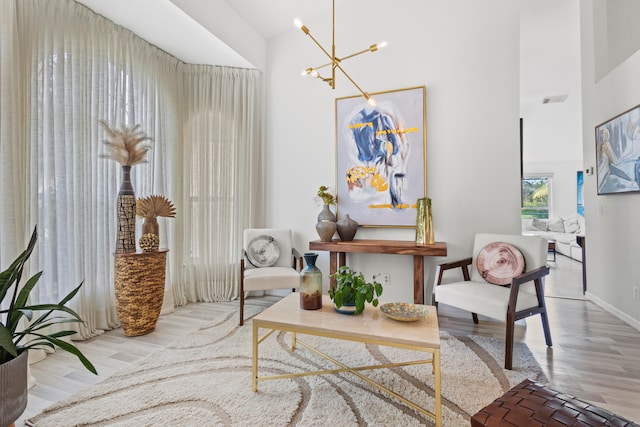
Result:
x=310 y=283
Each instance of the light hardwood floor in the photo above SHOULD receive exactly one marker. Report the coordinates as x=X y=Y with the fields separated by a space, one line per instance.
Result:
x=595 y=356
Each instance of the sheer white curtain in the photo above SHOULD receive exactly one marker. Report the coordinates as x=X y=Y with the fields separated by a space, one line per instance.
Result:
x=220 y=193
x=12 y=231
x=64 y=68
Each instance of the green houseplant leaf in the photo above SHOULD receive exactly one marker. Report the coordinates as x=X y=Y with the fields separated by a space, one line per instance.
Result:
x=352 y=288
x=15 y=338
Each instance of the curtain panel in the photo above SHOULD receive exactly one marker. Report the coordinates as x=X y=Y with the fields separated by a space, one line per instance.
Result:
x=220 y=151
x=64 y=68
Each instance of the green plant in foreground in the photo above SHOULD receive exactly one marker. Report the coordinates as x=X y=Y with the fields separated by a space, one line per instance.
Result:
x=13 y=338
x=351 y=287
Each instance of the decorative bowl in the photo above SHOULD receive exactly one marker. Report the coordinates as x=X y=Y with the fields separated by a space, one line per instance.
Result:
x=404 y=312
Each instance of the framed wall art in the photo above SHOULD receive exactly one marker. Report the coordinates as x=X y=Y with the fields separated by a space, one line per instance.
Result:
x=618 y=153
x=381 y=157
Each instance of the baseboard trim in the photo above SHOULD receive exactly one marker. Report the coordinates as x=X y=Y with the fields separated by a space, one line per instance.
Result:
x=611 y=309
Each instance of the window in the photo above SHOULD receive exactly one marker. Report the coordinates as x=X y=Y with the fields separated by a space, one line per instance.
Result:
x=536 y=191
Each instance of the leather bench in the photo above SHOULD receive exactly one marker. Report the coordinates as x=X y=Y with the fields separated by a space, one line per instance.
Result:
x=532 y=404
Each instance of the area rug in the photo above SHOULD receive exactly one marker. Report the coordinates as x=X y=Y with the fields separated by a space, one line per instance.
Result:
x=205 y=380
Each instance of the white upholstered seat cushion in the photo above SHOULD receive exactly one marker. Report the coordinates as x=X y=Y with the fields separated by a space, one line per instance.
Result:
x=271 y=278
x=484 y=298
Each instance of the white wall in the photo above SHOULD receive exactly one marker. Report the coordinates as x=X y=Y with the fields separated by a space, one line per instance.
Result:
x=617 y=33
x=467 y=55
x=550 y=66
x=613 y=240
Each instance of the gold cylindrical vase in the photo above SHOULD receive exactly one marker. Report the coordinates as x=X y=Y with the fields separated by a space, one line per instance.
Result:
x=424 y=222
x=421 y=213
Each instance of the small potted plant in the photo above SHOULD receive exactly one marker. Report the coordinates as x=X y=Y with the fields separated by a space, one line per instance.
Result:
x=20 y=331
x=353 y=290
x=326 y=197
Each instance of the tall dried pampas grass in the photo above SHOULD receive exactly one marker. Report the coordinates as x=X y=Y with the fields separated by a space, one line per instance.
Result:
x=125 y=146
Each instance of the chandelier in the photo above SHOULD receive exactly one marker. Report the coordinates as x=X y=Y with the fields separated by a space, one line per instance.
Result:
x=335 y=62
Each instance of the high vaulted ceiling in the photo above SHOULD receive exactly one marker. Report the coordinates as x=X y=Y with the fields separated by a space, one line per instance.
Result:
x=166 y=25
x=271 y=17
x=268 y=17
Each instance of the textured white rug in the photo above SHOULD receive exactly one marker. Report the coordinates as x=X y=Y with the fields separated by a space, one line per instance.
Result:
x=205 y=380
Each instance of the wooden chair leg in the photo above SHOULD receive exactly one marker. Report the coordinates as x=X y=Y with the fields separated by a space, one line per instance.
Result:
x=241 y=293
x=545 y=320
x=508 y=350
x=475 y=318
x=545 y=327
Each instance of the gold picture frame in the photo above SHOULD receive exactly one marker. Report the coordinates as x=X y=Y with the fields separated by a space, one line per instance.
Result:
x=381 y=157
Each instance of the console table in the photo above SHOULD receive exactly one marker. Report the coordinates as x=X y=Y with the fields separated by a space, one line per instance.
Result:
x=338 y=249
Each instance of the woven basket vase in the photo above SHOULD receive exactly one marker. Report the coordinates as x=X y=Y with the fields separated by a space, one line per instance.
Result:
x=139 y=287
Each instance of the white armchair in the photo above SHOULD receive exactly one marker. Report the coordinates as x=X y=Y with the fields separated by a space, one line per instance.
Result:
x=521 y=298
x=269 y=261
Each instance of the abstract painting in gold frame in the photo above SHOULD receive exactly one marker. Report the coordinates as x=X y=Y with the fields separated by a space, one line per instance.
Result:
x=381 y=157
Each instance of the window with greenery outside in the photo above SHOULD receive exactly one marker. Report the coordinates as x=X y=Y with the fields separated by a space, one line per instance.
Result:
x=535 y=197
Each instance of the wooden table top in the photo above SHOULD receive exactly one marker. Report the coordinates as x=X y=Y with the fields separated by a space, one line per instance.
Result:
x=394 y=247
x=372 y=326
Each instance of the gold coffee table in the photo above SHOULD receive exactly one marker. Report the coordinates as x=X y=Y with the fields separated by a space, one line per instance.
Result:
x=371 y=327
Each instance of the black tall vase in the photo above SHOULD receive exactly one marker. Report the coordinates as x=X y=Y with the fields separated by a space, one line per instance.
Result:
x=126 y=205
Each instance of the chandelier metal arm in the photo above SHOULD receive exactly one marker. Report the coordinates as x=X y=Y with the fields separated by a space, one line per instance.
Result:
x=372 y=48
x=364 y=94
x=332 y=58
x=335 y=61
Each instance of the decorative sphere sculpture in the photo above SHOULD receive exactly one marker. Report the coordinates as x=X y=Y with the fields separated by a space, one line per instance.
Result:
x=149 y=242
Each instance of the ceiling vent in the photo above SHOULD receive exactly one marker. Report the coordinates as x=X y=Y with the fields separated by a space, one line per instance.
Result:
x=554 y=99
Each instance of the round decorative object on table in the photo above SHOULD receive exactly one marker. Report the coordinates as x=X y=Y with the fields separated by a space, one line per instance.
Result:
x=149 y=242
x=347 y=228
x=499 y=262
x=263 y=251
x=310 y=283
x=326 y=230
x=404 y=312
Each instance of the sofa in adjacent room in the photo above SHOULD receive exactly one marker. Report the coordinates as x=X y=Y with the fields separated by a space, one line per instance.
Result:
x=562 y=230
